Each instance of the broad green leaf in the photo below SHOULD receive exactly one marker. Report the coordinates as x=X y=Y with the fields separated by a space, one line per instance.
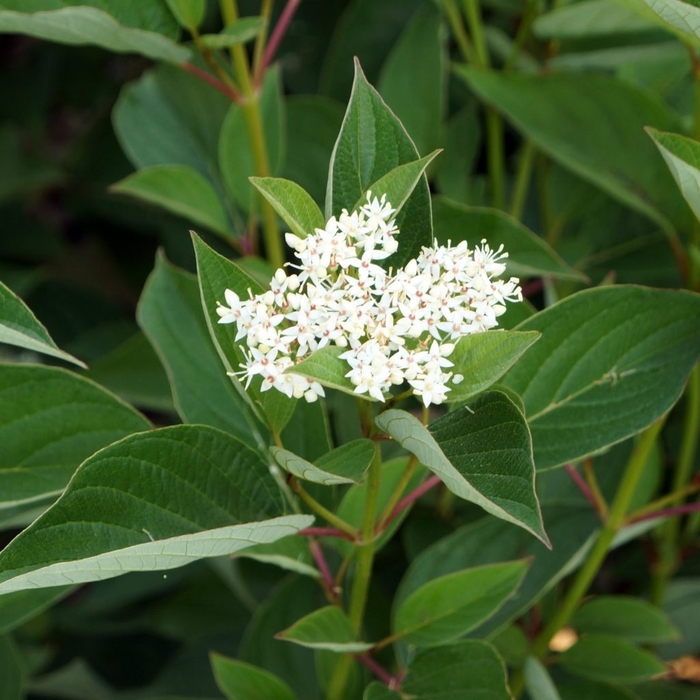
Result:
x=292 y=203
x=11 y=670
x=17 y=608
x=343 y=465
x=371 y=143
x=181 y=190
x=627 y=617
x=538 y=683
x=452 y=605
x=680 y=604
x=581 y=689
x=327 y=628
x=170 y=314
x=482 y=453
x=84 y=25
x=50 y=421
x=308 y=432
x=457 y=671
x=483 y=358
x=682 y=155
x=610 y=361
x=414 y=74
x=378 y=691
x=326 y=367
x=290 y=553
x=528 y=254
x=169 y=117
x=152 y=501
x=241 y=681
x=554 y=111
x=603 y=658
x=398 y=184
x=590 y=18
x=215 y=275
x=238 y=32
x=20 y=327
x=188 y=13
x=236 y=155
x=681 y=18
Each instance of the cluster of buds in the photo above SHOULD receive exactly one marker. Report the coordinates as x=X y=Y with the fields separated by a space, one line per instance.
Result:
x=397 y=326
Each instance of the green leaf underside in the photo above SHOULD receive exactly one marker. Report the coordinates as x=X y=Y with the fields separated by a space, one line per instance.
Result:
x=216 y=274
x=50 y=421
x=682 y=155
x=681 y=18
x=450 y=606
x=20 y=327
x=537 y=681
x=151 y=501
x=627 y=617
x=238 y=680
x=292 y=202
x=483 y=358
x=610 y=361
x=603 y=658
x=326 y=367
x=179 y=189
x=482 y=453
x=238 y=32
x=528 y=254
x=289 y=553
x=371 y=143
x=327 y=628
x=343 y=465
x=554 y=110
x=88 y=25
x=170 y=315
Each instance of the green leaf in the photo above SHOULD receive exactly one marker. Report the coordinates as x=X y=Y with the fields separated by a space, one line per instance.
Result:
x=450 y=606
x=326 y=367
x=627 y=617
x=327 y=628
x=538 y=683
x=188 y=13
x=152 y=501
x=236 y=158
x=590 y=18
x=466 y=669
x=20 y=327
x=610 y=361
x=289 y=553
x=483 y=358
x=181 y=190
x=590 y=690
x=528 y=254
x=238 y=32
x=414 y=74
x=554 y=110
x=681 y=18
x=292 y=203
x=170 y=314
x=482 y=453
x=371 y=143
x=603 y=658
x=216 y=274
x=11 y=670
x=682 y=155
x=343 y=465
x=398 y=184
x=17 y=608
x=50 y=421
x=89 y=26
x=238 y=680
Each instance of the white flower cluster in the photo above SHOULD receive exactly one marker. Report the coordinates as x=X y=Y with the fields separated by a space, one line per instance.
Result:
x=397 y=326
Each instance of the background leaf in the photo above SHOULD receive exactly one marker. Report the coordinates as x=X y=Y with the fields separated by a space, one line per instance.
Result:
x=11 y=670
x=327 y=628
x=538 y=683
x=241 y=681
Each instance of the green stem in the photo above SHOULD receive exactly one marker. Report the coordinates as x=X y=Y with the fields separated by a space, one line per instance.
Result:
x=522 y=179
x=398 y=492
x=476 y=27
x=321 y=510
x=581 y=583
x=522 y=34
x=457 y=27
x=261 y=39
x=363 y=573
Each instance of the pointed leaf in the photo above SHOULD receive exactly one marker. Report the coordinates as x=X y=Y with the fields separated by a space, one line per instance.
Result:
x=528 y=254
x=450 y=606
x=292 y=202
x=371 y=143
x=343 y=465
x=483 y=358
x=289 y=553
x=188 y=13
x=610 y=361
x=90 y=26
x=238 y=32
x=152 y=501
x=482 y=453
x=20 y=327
x=181 y=190
x=238 y=680
x=39 y=452
x=538 y=684
x=326 y=367
x=327 y=628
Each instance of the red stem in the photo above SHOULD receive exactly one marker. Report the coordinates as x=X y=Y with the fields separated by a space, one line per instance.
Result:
x=324 y=532
x=533 y=287
x=666 y=512
x=413 y=496
x=381 y=673
x=209 y=78
x=326 y=575
x=583 y=486
x=276 y=37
